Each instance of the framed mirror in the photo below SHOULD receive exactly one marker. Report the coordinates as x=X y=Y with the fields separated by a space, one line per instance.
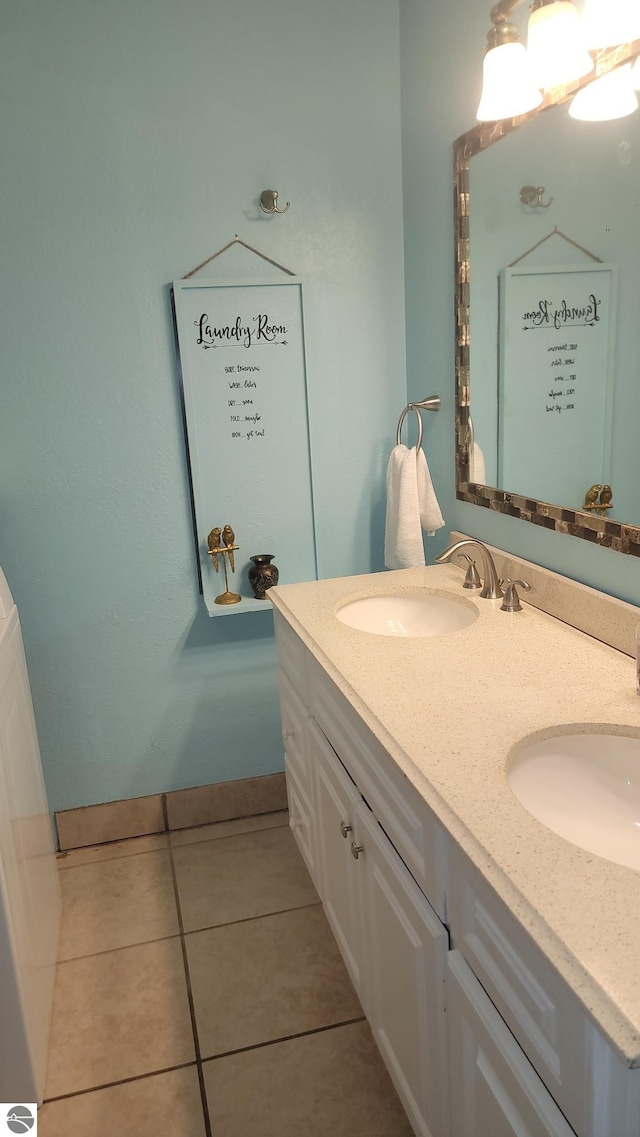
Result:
x=547 y=253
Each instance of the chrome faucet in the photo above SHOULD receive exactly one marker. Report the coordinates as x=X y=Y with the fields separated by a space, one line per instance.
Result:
x=491 y=589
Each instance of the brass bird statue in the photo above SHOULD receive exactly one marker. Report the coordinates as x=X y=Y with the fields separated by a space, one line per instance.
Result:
x=229 y=538
x=591 y=496
x=213 y=544
x=606 y=495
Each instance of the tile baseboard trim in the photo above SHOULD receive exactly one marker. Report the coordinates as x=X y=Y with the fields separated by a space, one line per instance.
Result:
x=178 y=809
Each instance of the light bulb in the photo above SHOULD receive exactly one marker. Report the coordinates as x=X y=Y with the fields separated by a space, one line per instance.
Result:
x=508 y=87
x=611 y=96
x=555 y=45
x=608 y=23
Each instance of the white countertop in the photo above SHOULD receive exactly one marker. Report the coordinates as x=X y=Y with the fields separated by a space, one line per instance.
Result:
x=449 y=709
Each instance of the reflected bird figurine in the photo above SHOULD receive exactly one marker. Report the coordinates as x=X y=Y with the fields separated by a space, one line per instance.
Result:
x=606 y=496
x=213 y=544
x=591 y=496
x=229 y=537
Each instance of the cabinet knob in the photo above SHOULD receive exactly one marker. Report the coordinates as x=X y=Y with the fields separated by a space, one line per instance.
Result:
x=288 y=733
x=356 y=850
x=344 y=828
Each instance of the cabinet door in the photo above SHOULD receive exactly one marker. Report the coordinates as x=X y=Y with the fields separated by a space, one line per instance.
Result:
x=339 y=875
x=406 y=952
x=301 y=820
x=495 y=1092
x=294 y=718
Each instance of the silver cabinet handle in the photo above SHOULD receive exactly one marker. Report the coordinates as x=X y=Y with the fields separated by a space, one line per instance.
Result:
x=344 y=829
x=356 y=850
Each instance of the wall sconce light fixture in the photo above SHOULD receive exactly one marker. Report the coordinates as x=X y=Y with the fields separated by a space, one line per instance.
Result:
x=508 y=85
x=555 y=44
x=611 y=96
x=608 y=23
x=514 y=77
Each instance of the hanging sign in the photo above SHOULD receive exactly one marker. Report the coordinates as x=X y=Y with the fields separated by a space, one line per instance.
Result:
x=557 y=328
x=243 y=365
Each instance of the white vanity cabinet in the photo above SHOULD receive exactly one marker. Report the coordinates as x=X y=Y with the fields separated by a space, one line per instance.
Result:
x=339 y=873
x=480 y=1035
x=406 y=949
x=393 y=943
x=497 y=1005
x=496 y=1091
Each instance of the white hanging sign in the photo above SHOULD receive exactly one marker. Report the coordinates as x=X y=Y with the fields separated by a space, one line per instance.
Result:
x=243 y=364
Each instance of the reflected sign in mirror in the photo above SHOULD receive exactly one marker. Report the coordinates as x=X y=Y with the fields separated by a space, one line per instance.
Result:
x=564 y=256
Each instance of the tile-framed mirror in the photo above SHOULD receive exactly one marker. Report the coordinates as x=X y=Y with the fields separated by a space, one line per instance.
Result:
x=547 y=216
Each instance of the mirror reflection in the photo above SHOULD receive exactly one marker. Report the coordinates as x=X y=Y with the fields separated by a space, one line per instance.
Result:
x=554 y=318
x=548 y=318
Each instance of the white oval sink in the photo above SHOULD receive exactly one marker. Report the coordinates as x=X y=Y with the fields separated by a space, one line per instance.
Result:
x=585 y=787
x=414 y=614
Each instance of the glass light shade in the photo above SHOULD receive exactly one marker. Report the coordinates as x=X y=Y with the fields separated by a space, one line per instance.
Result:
x=508 y=88
x=555 y=45
x=607 y=23
x=611 y=96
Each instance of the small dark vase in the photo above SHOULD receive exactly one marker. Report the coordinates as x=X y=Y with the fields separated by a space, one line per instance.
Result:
x=262 y=574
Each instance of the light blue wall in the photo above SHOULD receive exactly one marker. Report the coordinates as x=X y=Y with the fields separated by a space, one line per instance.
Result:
x=441 y=61
x=136 y=137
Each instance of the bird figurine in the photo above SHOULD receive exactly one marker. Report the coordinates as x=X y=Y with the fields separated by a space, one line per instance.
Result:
x=229 y=537
x=213 y=544
x=591 y=496
x=606 y=495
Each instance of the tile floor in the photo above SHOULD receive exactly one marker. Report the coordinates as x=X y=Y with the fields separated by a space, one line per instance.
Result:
x=200 y=993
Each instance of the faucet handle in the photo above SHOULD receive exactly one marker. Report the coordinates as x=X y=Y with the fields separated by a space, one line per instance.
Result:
x=472 y=576
x=511 y=602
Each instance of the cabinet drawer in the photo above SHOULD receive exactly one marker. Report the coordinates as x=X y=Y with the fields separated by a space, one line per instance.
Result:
x=539 y=1008
x=292 y=655
x=495 y=1092
x=406 y=819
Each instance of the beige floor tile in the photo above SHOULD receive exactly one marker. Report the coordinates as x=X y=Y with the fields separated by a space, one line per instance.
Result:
x=117 y=1015
x=331 y=1084
x=163 y=1104
x=113 y=850
x=115 y=903
x=267 y=978
x=229 y=828
x=234 y=878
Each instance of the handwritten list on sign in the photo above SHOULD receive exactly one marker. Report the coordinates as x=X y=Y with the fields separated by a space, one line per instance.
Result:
x=556 y=375
x=243 y=363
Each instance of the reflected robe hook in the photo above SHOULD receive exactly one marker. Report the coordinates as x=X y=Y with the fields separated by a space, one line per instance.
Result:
x=269 y=202
x=532 y=196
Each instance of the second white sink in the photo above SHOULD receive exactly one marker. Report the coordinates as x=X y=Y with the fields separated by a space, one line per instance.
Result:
x=585 y=787
x=421 y=613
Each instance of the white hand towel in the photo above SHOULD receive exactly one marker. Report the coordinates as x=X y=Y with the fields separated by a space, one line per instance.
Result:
x=411 y=503
x=430 y=515
x=403 y=547
x=476 y=466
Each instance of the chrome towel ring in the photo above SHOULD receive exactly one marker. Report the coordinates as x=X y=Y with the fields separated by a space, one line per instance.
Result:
x=431 y=403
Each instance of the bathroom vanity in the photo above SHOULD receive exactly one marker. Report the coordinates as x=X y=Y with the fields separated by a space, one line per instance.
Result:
x=496 y=962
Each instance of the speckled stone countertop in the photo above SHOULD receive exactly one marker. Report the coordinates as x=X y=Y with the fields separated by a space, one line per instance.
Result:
x=449 y=709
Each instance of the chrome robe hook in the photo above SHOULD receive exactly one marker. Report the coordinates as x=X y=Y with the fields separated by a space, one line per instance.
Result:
x=532 y=196
x=269 y=202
